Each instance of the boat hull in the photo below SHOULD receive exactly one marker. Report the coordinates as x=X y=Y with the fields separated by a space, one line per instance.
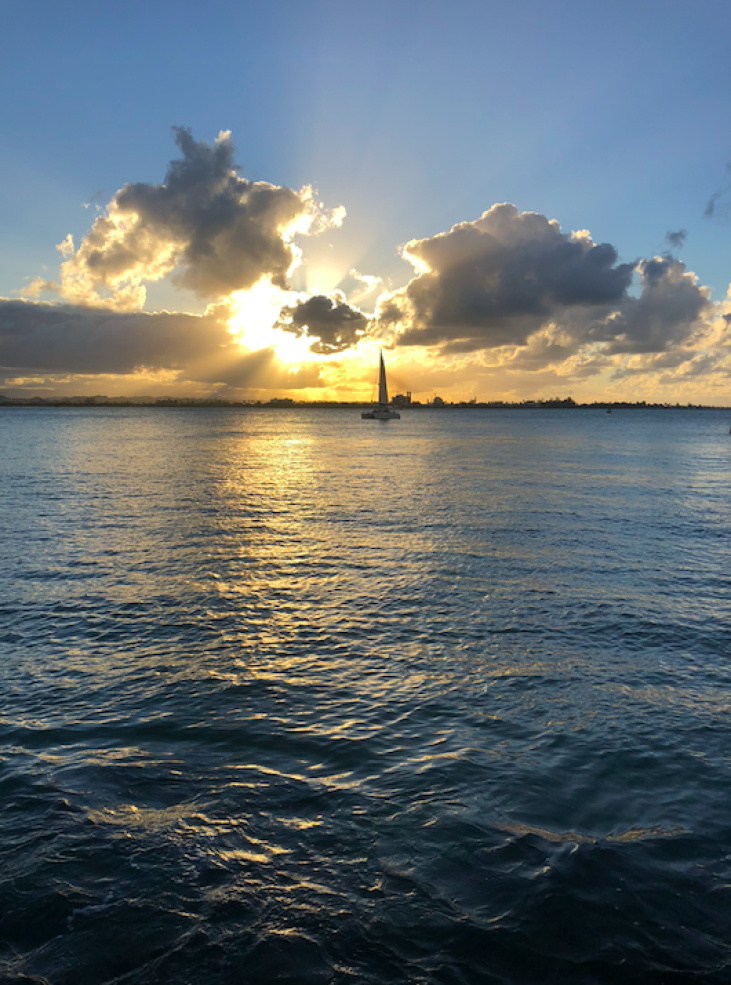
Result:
x=378 y=414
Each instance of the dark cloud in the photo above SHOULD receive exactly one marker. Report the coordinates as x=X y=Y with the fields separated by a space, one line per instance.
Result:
x=329 y=319
x=667 y=312
x=677 y=239
x=515 y=280
x=37 y=337
x=499 y=279
x=705 y=364
x=542 y=350
x=217 y=230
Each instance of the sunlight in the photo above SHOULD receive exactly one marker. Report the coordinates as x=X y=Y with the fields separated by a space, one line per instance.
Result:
x=255 y=314
x=256 y=311
x=344 y=375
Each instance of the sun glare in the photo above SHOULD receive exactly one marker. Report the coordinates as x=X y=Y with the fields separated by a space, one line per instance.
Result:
x=345 y=374
x=254 y=319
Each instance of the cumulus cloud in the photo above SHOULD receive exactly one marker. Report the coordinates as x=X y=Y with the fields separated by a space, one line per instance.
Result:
x=515 y=284
x=497 y=280
x=667 y=313
x=217 y=231
x=329 y=321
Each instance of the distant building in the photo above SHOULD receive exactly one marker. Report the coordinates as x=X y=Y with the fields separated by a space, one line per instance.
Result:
x=438 y=402
x=402 y=400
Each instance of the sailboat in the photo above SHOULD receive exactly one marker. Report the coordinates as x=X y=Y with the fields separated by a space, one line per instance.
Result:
x=381 y=411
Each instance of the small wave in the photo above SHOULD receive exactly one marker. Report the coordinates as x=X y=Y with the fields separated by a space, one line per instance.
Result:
x=629 y=835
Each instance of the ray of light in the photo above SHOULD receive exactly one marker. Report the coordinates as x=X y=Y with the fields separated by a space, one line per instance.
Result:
x=254 y=317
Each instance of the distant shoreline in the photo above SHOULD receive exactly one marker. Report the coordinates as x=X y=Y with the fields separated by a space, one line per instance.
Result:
x=279 y=403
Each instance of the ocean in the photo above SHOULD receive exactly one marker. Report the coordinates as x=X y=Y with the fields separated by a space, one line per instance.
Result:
x=287 y=696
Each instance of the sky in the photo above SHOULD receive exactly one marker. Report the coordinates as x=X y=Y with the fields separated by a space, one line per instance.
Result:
x=512 y=200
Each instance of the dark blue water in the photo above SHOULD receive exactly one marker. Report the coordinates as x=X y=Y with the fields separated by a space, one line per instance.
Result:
x=294 y=697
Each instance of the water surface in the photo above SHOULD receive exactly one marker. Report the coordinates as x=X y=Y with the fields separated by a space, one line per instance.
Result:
x=291 y=696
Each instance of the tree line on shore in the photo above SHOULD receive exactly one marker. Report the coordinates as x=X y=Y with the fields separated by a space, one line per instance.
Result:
x=287 y=402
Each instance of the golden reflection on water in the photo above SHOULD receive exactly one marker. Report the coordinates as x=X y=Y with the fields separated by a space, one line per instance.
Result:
x=352 y=573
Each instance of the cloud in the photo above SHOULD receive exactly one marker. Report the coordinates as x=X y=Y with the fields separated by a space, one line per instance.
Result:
x=713 y=209
x=497 y=280
x=37 y=287
x=677 y=239
x=508 y=294
x=260 y=370
x=214 y=230
x=334 y=323
x=43 y=339
x=710 y=208
x=358 y=286
x=39 y=337
x=514 y=284
x=668 y=312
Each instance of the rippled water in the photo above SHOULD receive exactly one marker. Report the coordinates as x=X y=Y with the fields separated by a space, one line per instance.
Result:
x=290 y=696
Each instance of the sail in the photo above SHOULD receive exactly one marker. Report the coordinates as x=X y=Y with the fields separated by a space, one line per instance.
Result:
x=381 y=411
x=382 y=391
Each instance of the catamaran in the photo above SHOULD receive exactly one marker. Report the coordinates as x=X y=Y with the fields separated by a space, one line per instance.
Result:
x=381 y=411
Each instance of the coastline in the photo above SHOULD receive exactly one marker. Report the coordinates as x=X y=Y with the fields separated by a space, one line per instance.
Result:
x=279 y=403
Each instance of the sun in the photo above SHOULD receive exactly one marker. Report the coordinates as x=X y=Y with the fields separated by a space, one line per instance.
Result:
x=252 y=323
x=254 y=317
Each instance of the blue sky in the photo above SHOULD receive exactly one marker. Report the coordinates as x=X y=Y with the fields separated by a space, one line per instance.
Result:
x=414 y=116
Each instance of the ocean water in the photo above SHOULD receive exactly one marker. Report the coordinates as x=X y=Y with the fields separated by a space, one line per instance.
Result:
x=287 y=696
